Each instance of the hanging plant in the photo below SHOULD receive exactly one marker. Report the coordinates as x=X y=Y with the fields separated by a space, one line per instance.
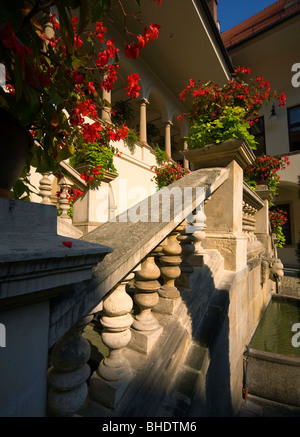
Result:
x=54 y=81
x=264 y=170
x=278 y=218
x=220 y=113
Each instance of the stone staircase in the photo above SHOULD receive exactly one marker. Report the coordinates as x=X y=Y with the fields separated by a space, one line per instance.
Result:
x=172 y=380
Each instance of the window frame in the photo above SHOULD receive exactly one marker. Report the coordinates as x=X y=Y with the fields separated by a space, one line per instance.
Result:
x=263 y=134
x=289 y=126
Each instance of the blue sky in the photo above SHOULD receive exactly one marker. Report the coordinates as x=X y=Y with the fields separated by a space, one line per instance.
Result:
x=232 y=12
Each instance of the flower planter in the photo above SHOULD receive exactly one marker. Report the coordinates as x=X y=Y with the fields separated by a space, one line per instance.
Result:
x=220 y=155
x=107 y=176
x=15 y=144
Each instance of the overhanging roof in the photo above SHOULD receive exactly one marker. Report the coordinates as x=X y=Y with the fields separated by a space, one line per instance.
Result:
x=189 y=44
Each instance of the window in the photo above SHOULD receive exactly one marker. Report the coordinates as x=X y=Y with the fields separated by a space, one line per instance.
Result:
x=258 y=130
x=294 y=128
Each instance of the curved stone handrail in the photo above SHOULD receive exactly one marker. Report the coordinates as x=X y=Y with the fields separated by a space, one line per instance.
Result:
x=132 y=241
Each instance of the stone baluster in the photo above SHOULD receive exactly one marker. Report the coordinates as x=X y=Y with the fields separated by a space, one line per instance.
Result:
x=249 y=221
x=186 y=240
x=64 y=204
x=146 y=328
x=69 y=372
x=169 y=263
x=198 y=228
x=109 y=382
x=45 y=188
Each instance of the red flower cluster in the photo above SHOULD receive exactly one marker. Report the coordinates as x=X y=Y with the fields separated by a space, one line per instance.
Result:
x=72 y=194
x=277 y=218
x=60 y=78
x=117 y=134
x=168 y=173
x=209 y=100
x=92 y=174
x=133 y=87
x=10 y=41
x=133 y=50
x=266 y=167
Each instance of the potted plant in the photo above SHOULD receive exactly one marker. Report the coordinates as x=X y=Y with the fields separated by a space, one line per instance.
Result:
x=221 y=116
x=94 y=161
x=166 y=171
x=56 y=66
x=263 y=171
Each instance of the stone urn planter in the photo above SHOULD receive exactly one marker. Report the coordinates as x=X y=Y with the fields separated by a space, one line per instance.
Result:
x=15 y=144
x=220 y=155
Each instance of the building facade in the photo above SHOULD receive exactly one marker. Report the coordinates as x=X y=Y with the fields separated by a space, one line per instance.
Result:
x=268 y=44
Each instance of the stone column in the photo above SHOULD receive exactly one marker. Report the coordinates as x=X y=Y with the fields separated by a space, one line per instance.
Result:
x=64 y=204
x=145 y=328
x=69 y=372
x=106 y=110
x=45 y=189
x=143 y=120
x=185 y=161
x=168 y=138
x=109 y=382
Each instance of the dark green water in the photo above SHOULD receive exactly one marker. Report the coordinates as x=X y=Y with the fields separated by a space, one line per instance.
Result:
x=274 y=332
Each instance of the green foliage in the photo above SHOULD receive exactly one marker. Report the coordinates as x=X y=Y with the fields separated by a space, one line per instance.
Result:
x=131 y=139
x=152 y=133
x=168 y=173
x=280 y=237
x=230 y=125
x=161 y=156
x=122 y=112
x=94 y=155
x=277 y=218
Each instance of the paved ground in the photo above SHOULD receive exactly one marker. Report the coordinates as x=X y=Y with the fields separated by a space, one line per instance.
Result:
x=290 y=284
x=257 y=407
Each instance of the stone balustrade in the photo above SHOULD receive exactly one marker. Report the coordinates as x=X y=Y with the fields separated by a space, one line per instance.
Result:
x=254 y=210
x=156 y=247
x=152 y=249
